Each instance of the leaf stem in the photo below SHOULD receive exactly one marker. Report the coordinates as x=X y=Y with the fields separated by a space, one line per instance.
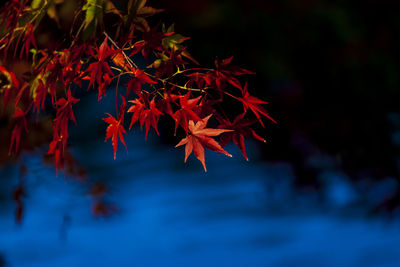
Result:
x=133 y=65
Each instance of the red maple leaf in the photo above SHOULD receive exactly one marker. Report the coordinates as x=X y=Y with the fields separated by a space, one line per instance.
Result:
x=135 y=84
x=253 y=103
x=57 y=148
x=196 y=78
x=41 y=93
x=186 y=113
x=165 y=104
x=226 y=67
x=60 y=69
x=152 y=41
x=60 y=128
x=101 y=67
x=241 y=130
x=79 y=50
x=116 y=128
x=54 y=70
x=12 y=12
x=114 y=131
x=29 y=39
x=225 y=73
x=146 y=116
x=199 y=138
x=103 y=86
x=136 y=110
x=65 y=113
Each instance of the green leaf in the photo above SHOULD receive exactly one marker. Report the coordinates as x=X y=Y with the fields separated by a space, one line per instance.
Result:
x=93 y=16
x=173 y=41
x=37 y=4
x=94 y=10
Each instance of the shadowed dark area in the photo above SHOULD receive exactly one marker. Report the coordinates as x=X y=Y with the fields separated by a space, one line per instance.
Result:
x=323 y=191
x=330 y=71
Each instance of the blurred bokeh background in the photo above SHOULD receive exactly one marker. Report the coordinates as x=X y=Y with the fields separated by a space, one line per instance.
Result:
x=324 y=190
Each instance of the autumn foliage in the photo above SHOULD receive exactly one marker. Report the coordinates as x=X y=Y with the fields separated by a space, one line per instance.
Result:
x=171 y=85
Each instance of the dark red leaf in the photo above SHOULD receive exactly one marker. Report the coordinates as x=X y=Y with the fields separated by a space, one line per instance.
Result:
x=241 y=130
x=253 y=103
x=114 y=131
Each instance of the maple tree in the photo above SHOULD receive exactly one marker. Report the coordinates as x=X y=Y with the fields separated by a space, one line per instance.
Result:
x=167 y=87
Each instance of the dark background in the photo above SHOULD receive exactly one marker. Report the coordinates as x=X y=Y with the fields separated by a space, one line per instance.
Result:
x=323 y=191
x=330 y=70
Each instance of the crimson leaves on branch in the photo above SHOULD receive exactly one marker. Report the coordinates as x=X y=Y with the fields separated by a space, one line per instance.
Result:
x=168 y=88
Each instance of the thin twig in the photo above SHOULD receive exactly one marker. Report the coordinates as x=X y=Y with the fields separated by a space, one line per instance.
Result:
x=133 y=65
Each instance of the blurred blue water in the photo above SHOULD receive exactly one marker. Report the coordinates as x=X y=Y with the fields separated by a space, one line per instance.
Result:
x=174 y=214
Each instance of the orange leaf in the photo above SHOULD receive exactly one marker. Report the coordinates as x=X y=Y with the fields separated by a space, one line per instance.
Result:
x=199 y=138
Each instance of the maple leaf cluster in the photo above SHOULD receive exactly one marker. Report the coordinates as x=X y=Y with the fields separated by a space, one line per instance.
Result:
x=166 y=87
